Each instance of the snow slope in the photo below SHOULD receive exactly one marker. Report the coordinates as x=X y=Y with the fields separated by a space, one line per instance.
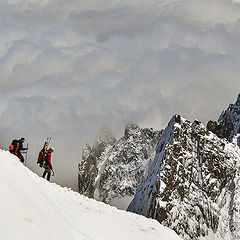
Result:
x=32 y=208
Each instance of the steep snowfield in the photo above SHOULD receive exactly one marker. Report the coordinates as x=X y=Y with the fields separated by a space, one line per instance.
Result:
x=32 y=208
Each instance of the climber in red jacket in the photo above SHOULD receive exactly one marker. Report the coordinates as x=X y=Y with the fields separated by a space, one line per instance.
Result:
x=47 y=163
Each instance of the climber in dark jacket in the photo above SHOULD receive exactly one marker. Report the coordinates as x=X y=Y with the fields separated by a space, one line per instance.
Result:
x=20 y=149
x=47 y=164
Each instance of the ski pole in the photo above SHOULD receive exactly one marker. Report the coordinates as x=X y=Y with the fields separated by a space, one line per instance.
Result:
x=26 y=155
x=48 y=140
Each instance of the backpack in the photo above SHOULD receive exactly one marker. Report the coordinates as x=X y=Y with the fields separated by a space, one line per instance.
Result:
x=40 y=158
x=41 y=155
x=14 y=146
x=45 y=160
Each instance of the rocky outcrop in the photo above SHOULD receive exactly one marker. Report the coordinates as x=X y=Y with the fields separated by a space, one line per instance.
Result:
x=193 y=184
x=114 y=169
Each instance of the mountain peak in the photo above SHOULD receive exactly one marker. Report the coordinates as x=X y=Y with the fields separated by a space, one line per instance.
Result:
x=228 y=124
x=238 y=100
x=192 y=169
x=113 y=171
x=132 y=129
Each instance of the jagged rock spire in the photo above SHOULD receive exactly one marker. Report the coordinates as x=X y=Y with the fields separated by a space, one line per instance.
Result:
x=228 y=124
x=238 y=100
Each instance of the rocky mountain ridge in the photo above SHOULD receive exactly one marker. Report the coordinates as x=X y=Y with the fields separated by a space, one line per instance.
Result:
x=193 y=185
x=186 y=177
x=112 y=170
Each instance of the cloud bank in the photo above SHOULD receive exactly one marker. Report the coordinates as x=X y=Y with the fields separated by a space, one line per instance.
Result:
x=67 y=67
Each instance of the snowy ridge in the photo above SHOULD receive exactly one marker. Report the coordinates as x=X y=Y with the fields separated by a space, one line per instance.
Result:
x=193 y=185
x=120 y=167
x=32 y=208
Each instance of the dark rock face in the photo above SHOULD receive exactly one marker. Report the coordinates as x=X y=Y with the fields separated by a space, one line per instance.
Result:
x=193 y=184
x=114 y=169
x=212 y=126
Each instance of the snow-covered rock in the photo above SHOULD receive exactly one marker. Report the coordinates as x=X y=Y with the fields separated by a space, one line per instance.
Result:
x=193 y=184
x=32 y=208
x=111 y=171
x=88 y=169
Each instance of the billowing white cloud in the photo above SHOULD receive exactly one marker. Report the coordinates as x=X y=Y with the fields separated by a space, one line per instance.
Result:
x=67 y=67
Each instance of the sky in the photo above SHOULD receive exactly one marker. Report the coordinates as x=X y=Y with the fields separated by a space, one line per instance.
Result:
x=69 y=67
x=33 y=208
